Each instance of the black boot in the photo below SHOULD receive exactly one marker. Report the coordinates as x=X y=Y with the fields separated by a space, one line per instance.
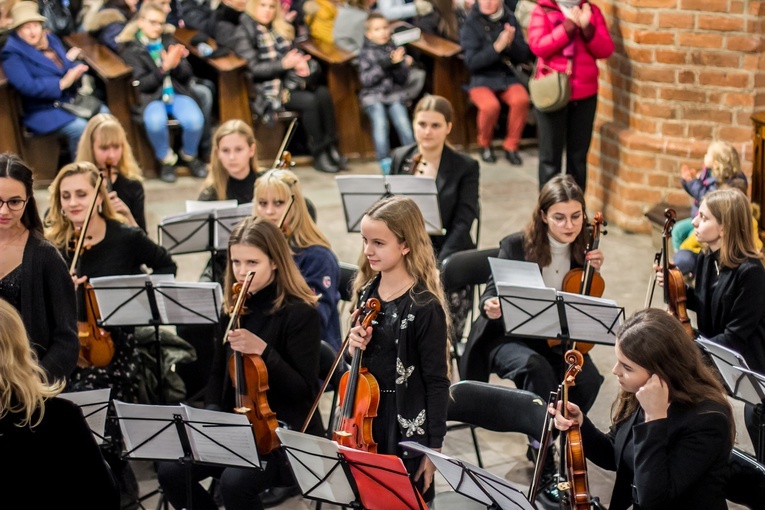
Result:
x=337 y=158
x=323 y=163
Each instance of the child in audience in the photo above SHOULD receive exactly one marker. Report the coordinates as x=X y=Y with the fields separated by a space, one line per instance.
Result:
x=164 y=77
x=384 y=69
x=320 y=19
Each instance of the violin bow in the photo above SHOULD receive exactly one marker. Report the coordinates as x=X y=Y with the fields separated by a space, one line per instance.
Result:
x=84 y=229
x=285 y=142
x=238 y=304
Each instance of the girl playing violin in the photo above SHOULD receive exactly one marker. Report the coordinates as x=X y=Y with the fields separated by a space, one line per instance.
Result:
x=33 y=276
x=555 y=238
x=672 y=429
x=311 y=250
x=406 y=349
x=282 y=327
x=104 y=143
x=729 y=292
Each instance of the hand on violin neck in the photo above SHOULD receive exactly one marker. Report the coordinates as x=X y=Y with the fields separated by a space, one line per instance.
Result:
x=659 y=275
x=596 y=259
x=246 y=342
x=654 y=398
x=575 y=415
x=358 y=338
x=78 y=280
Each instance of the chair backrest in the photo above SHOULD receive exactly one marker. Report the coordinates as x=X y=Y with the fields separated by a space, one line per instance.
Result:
x=497 y=408
x=347 y=274
x=327 y=356
x=467 y=267
x=746 y=483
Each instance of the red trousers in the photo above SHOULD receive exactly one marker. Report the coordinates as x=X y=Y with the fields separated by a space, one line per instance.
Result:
x=487 y=102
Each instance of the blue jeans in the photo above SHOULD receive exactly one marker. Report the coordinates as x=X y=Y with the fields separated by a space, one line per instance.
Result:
x=381 y=129
x=189 y=116
x=73 y=131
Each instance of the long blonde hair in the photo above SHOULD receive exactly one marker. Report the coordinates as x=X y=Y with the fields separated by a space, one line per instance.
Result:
x=280 y=26
x=303 y=231
x=59 y=228
x=725 y=161
x=24 y=386
x=110 y=132
x=261 y=233
x=218 y=176
x=733 y=212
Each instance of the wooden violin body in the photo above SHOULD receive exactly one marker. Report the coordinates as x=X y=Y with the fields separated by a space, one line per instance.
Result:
x=674 y=284
x=576 y=464
x=359 y=394
x=96 y=345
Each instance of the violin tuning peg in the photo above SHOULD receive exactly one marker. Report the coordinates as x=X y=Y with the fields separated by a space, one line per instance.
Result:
x=604 y=232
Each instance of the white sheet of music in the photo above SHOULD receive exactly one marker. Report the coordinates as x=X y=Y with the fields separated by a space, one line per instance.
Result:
x=225 y=221
x=592 y=318
x=148 y=432
x=193 y=206
x=203 y=299
x=208 y=430
x=94 y=404
x=123 y=301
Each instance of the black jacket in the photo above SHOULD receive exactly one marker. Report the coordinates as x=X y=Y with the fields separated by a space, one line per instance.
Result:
x=487 y=67
x=382 y=81
x=457 y=183
x=680 y=463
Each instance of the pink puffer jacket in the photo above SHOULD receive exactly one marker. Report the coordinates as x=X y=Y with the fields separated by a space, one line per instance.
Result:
x=554 y=39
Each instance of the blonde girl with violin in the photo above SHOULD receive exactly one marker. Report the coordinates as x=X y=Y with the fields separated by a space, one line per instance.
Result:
x=279 y=199
x=672 y=427
x=41 y=434
x=33 y=276
x=104 y=143
x=281 y=326
x=728 y=294
x=406 y=349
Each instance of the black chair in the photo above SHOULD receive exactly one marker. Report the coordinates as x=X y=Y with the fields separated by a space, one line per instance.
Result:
x=746 y=483
x=467 y=268
x=476 y=404
x=327 y=358
x=347 y=274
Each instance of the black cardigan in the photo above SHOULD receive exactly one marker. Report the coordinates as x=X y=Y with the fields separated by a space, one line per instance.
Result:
x=458 y=202
x=48 y=307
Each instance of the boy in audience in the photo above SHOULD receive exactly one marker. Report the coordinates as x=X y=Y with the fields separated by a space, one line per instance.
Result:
x=163 y=77
x=384 y=70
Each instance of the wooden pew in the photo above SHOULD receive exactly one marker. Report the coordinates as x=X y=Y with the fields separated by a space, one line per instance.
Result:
x=10 y=124
x=353 y=128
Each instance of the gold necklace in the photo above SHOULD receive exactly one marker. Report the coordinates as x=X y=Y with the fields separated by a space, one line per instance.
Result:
x=395 y=294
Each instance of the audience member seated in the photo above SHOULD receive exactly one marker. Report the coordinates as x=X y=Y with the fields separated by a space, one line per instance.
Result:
x=320 y=19
x=348 y=33
x=106 y=23
x=493 y=43
x=163 y=75
x=197 y=15
x=384 y=69
x=444 y=22
x=264 y=39
x=226 y=19
x=44 y=74
x=104 y=143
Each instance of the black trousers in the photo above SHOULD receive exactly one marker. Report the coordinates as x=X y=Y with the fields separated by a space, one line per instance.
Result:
x=317 y=116
x=570 y=127
x=535 y=367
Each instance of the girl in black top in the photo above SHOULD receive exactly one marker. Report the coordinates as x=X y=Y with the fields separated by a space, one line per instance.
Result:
x=104 y=143
x=283 y=329
x=406 y=349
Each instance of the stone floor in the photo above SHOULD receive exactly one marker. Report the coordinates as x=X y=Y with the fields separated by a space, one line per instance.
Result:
x=508 y=194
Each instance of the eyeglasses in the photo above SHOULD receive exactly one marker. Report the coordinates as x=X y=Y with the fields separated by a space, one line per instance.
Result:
x=561 y=219
x=14 y=204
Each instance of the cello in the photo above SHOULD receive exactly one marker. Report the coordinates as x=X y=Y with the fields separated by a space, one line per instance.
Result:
x=585 y=280
x=359 y=393
x=96 y=344
x=250 y=377
x=674 y=284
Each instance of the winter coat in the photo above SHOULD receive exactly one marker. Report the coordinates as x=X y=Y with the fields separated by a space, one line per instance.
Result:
x=382 y=81
x=105 y=25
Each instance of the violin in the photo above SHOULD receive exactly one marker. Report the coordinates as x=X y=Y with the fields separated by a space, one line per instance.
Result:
x=283 y=156
x=577 y=486
x=250 y=377
x=359 y=393
x=96 y=344
x=586 y=280
x=416 y=160
x=674 y=284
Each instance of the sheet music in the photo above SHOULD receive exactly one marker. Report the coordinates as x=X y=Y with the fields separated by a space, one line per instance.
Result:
x=755 y=393
x=516 y=273
x=208 y=430
x=359 y=192
x=148 y=431
x=312 y=458
x=591 y=318
x=94 y=404
x=226 y=220
x=193 y=206
x=126 y=295
x=189 y=302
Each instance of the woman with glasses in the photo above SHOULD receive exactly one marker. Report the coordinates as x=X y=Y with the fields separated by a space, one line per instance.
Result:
x=554 y=238
x=33 y=275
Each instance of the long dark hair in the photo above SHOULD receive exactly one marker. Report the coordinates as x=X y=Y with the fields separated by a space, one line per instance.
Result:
x=536 y=247
x=14 y=167
x=657 y=341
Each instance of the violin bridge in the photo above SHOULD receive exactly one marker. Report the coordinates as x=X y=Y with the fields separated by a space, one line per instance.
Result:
x=242 y=410
x=343 y=433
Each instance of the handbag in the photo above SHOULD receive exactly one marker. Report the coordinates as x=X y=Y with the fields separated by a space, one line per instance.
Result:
x=82 y=106
x=550 y=92
x=292 y=81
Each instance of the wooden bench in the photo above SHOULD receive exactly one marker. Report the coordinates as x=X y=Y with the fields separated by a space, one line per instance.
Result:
x=353 y=128
x=10 y=123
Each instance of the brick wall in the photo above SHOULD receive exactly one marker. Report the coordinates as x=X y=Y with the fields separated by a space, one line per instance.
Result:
x=684 y=72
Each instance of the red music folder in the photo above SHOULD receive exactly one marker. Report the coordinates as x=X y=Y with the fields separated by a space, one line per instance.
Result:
x=382 y=481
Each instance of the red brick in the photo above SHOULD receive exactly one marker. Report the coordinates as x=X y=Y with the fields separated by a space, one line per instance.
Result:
x=638 y=160
x=734 y=99
x=638 y=54
x=736 y=7
x=641 y=194
x=720 y=60
x=658 y=180
x=636 y=17
x=706 y=114
x=753 y=62
x=642 y=125
x=685 y=94
x=720 y=23
x=697 y=40
x=671 y=57
x=655 y=110
x=672 y=128
x=735 y=134
x=652 y=37
x=757 y=8
x=676 y=20
x=686 y=77
x=655 y=74
x=700 y=131
x=660 y=4
x=638 y=141
x=704 y=5
x=667 y=165
x=746 y=43
x=677 y=197
x=632 y=175
x=734 y=79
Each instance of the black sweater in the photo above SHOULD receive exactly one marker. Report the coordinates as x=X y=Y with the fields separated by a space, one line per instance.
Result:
x=131 y=192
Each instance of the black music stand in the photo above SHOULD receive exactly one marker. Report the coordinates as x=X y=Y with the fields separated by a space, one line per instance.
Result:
x=200 y=231
x=156 y=300
x=343 y=476
x=94 y=405
x=359 y=192
x=186 y=435
x=742 y=384
x=474 y=482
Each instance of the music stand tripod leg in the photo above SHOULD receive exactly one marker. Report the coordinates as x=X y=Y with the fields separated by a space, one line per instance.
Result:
x=759 y=412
